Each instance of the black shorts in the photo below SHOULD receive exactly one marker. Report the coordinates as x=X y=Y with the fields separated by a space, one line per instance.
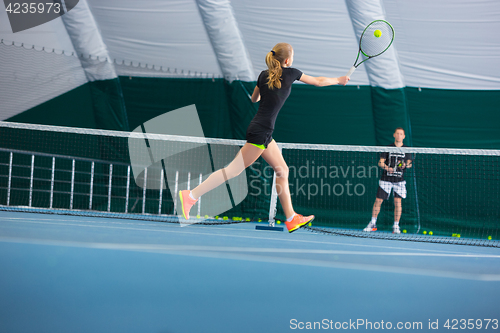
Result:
x=259 y=135
x=381 y=194
x=385 y=188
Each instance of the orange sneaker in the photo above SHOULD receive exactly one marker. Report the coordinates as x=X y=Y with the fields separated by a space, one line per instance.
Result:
x=186 y=203
x=298 y=221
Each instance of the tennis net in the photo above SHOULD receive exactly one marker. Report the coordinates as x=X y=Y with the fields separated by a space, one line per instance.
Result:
x=452 y=195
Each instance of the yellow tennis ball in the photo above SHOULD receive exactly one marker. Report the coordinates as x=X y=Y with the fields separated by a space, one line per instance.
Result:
x=430 y=232
x=425 y=232
x=225 y=218
x=206 y=216
x=247 y=219
x=404 y=231
x=279 y=222
x=377 y=33
x=489 y=237
x=458 y=235
x=310 y=224
x=198 y=216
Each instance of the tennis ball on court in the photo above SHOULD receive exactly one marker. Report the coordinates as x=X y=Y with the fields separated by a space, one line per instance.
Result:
x=425 y=232
x=206 y=216
x=377 y=33
x=404 y=231
x=225 y=218
x=458 y=235
x=430 y=232
x=216 y=217
x=198 y=216
x=247 y=219
x=489 y=237
x=310 y=224
x=279 y=222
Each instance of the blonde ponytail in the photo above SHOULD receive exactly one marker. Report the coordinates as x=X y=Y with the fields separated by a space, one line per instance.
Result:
x=274 y=60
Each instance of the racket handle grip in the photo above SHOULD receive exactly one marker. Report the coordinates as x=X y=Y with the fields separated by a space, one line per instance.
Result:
x=351 y=71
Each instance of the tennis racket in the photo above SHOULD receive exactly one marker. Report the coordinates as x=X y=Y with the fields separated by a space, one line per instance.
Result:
x=375 y=40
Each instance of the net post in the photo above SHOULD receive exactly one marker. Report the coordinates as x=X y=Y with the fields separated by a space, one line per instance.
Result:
x=161 y=192
x=199 y=199
x=52 y=177
x=274 y=197
x=176 y=189
x=144 y=191
x=128 y=189
x=91 y=185
x=10 y=178
x=31 y=179
x=72 y=185
x=109 y=186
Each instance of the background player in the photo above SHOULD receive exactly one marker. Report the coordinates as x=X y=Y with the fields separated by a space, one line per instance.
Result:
x=394 y=165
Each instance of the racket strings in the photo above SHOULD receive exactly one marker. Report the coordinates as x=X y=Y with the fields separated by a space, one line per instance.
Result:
x=370 y=44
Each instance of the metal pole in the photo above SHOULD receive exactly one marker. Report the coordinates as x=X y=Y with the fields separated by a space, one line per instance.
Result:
x=72 y=185
x=10 y=178
x=109 y=186
x=144 y=191
x=175 y=191
x=199 y=199
x=52 y=177
x=161 y=192
x=31 y=178
x=91 y=185
x=128 y=189
x=274 y=198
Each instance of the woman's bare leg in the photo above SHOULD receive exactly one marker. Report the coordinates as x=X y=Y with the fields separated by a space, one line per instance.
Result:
x=273 y=156
x=245 y=157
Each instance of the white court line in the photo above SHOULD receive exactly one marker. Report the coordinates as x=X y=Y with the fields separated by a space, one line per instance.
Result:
x=107 y=226
x=220 y=253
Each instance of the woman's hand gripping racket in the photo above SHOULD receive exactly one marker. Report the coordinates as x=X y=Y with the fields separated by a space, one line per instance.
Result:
x=375 y=40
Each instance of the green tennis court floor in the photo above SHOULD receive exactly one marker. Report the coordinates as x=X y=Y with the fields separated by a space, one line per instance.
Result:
x=83 y=274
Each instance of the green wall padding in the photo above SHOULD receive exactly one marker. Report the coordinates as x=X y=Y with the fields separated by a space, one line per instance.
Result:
x=389 y=112
x=454 y=118
x=108 y=104
x=330 y=115
x=73 y=108
x=97 y=104
x=147 y=98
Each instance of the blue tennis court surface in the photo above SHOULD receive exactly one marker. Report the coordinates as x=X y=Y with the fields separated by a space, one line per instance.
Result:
x=84 y=274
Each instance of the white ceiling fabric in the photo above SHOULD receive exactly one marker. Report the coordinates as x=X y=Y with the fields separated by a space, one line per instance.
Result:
x=383 y=71
x=225 y=36
x=442 y=44
x=87 y=40
x=447 y=44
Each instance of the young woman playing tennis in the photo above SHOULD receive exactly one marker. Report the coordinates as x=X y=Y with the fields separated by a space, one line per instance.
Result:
x=273 y=88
